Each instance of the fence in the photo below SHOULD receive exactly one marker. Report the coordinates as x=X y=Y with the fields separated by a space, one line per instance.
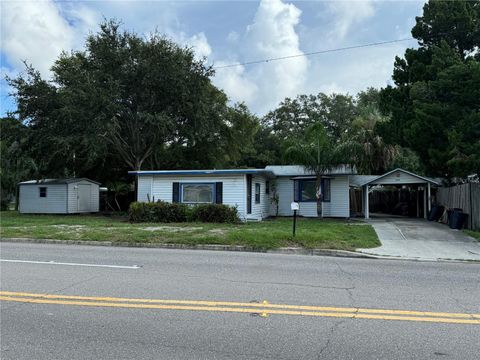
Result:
x=465 y=197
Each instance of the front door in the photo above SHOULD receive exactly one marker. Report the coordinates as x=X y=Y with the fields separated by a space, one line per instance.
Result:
x=83 y=197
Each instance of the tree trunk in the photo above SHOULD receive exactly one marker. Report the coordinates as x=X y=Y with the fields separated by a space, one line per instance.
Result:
x=319 y=196
x=116 y=201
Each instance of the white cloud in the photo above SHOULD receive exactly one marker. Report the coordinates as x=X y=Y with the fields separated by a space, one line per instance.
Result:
x=271 y=34
x=233 y=37
x=353 y=71
x=237 y=86
x=35 y=32
x=199 y=45
x=348 y=14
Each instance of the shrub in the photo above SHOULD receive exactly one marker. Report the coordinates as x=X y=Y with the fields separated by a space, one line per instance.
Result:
x=214 y=213
x=162 y=211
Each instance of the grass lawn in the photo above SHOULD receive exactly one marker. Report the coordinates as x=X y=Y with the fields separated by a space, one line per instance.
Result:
x=269 y=234
x=474 y=234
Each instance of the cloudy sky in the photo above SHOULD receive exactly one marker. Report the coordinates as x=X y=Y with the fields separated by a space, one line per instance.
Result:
x=227 y=32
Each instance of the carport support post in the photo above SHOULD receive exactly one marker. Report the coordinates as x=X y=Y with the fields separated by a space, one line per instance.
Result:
x=417 y=201
x=424 y=203
x=365 y=202
x=429 y=193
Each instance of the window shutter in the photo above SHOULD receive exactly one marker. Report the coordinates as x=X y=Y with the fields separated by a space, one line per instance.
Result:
x=326 y=190
x=295 y=191
x=176 y=192
x=219 y=192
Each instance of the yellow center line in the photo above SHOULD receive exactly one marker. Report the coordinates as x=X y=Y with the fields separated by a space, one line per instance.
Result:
x=242 y=310
x=261 y=306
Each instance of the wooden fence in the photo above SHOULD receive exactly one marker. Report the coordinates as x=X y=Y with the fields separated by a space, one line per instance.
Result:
x=465 y=197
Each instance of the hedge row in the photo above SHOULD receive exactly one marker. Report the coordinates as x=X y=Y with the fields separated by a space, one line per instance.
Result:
x=162 y=211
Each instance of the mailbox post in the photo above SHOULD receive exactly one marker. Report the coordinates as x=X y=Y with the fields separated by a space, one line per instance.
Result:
x=294 y=206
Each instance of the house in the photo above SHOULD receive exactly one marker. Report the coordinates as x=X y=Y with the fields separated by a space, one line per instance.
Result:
x=250 y=190
x=58 y=196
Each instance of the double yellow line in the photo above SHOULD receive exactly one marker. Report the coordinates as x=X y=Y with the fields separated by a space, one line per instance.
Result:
x=262 y=309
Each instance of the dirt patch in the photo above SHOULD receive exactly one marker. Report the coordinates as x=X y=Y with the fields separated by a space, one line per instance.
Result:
x=69 y=227
x=218 y=231
x=171 y=228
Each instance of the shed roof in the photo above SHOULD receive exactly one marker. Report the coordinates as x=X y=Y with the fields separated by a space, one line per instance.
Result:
x=56 y=181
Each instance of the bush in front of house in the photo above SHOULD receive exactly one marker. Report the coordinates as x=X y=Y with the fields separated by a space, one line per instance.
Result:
x=162 y=211
x=214 y=213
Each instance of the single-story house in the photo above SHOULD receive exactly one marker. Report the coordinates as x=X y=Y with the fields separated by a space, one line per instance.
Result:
x=59 y=196
x=252 y=191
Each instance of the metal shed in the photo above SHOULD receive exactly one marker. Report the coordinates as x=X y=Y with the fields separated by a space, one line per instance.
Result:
x=58 y=196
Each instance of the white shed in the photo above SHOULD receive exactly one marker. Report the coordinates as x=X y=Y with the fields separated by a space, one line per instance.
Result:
x=59 y=196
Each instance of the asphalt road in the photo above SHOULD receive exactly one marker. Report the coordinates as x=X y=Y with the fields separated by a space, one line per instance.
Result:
x=56 y=327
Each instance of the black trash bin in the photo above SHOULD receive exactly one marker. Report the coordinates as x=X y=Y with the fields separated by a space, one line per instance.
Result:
x=457 y=220
x=436 y=213
x=450 y=213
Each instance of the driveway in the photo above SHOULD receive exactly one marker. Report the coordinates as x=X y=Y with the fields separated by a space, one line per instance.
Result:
x=422 y=240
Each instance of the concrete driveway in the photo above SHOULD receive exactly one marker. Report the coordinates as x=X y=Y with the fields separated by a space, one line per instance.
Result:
x=422 y=240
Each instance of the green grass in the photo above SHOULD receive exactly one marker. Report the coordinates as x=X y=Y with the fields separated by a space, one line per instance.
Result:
x=474 y=234
x=269 y=234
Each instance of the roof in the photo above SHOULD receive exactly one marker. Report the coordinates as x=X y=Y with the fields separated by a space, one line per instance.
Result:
x=55 y=181
x=271 y=170
x=361 y=180
x=203 y=172
x=298 y=170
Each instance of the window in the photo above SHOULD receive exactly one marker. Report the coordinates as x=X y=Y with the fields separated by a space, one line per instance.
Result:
x=306 y=190
x=257 y=193
x=267 y=187
x=197 y=193
x=42 y=191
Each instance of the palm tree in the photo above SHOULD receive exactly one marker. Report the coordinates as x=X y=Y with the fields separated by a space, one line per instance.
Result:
x=371 y=154
x=319 y=154
x=118 y=188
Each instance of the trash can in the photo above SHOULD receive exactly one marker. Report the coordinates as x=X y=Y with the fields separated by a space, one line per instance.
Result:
x=451 y=211
x=457 y=220
x=436 y=213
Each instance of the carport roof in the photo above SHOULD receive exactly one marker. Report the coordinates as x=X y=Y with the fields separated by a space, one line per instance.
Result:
x=362 y=180
x=359 y=180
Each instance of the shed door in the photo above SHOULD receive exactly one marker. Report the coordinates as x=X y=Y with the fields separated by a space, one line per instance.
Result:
x=84 y=197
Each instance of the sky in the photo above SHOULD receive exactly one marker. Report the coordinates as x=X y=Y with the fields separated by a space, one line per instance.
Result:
x=227 y=32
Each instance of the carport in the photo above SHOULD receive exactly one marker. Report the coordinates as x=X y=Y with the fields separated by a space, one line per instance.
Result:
x=398 y=178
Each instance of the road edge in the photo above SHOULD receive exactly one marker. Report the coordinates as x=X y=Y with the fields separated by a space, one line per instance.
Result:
x=238 y=248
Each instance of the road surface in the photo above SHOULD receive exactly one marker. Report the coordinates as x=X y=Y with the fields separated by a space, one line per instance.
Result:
x=80 y=302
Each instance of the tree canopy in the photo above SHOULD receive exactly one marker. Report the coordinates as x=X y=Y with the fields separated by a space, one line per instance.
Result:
x=126 y=102
x=434 y=106
x=129 y=102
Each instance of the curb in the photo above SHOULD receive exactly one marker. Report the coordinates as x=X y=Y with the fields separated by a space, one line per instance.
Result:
x=284 y=251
